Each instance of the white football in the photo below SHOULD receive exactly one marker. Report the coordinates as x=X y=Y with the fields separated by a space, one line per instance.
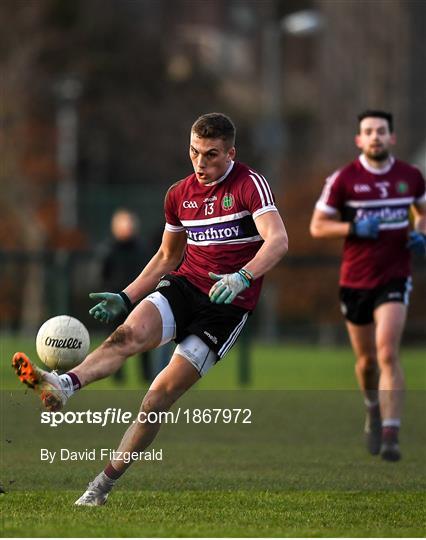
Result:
x=62 y=342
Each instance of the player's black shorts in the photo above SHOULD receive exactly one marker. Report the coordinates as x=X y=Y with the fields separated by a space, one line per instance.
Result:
x=218 y=325
x=358 y=305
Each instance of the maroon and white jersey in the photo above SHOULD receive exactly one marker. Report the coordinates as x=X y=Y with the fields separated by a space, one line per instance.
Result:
x=357 y=191
x=219 y=223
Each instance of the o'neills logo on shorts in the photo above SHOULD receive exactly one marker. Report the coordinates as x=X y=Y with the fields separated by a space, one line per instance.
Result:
x=69 y=343
x=163 y=283
x=213 y=338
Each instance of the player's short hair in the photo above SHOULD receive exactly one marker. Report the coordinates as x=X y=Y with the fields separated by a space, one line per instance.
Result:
x=375 y=113
x=215 y=126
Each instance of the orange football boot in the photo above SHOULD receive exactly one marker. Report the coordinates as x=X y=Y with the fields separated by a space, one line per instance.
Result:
x=47 y=385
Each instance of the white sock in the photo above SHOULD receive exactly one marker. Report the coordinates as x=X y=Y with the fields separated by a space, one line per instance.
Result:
x=391 y=422
x=67 y=385
x=104 y=482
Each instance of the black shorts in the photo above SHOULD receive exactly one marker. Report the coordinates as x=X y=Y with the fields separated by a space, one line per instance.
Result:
x=358 y=305
x=217 y=325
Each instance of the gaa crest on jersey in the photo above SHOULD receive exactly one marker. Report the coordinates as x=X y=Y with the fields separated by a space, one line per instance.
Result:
x=228 y=201
x=401 y=187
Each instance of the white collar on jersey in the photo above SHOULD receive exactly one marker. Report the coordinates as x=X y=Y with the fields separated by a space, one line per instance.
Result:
x=373 y=170
x=222 y=178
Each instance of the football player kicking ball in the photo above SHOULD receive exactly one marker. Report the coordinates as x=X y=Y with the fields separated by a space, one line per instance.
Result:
x=223 y=232
x=368 y=203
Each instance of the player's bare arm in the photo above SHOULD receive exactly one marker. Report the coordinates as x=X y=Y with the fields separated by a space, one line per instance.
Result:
x=271 y=228
x=324 y=225
x=419 y=212
x=166 y=259
x=417 y=238
x=227 y=287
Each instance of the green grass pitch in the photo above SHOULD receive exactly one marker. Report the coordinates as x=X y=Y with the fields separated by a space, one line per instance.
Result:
x=299 y=470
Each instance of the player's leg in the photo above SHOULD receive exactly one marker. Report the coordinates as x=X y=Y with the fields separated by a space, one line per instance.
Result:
x=141 y=331
x=191 y=360
x=173 y=381
x=362 y=339
x=168 y=386
x=390 y=321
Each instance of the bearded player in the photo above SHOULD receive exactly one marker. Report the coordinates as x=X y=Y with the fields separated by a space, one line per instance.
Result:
x=367 y=203
x=223 y=232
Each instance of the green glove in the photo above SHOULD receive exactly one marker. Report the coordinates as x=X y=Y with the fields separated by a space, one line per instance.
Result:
x=111 y=305
x=228 y=286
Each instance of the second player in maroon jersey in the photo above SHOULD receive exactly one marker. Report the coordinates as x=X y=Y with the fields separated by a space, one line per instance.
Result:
x=368 y=203
x=359 y=191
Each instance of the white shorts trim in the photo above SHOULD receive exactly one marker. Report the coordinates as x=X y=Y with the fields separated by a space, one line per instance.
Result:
x=233 y=337
x=167 y=317
x=408 y=289
x=197 y=353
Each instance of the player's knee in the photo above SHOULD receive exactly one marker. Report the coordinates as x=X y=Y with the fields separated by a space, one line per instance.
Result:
x=367 y=362
x=123 y=338
x=387 y=356
x=155 y=402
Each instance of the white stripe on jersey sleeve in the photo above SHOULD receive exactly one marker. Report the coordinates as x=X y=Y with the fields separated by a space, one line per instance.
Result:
x=173 y=228
x=270 y=208
x=265 y=186
x=262 y=198
x=326 y=208
x=329 y=181
x=420 y=200
x=262 y=188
